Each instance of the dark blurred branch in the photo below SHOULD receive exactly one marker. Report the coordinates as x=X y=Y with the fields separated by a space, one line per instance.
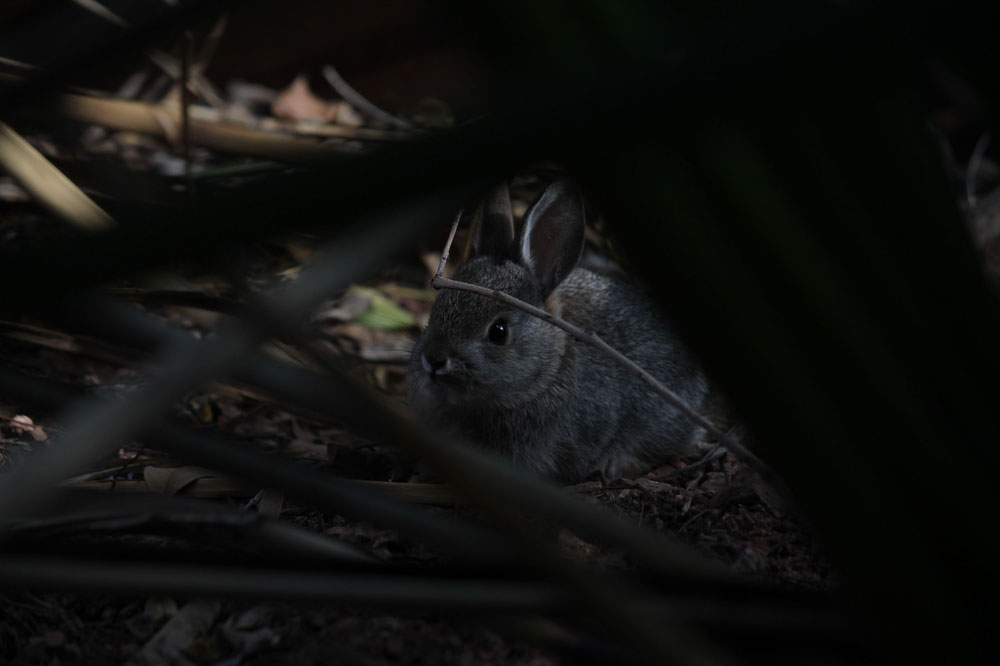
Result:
x=354 y=587
x=243 y=535
x=747 y=623
x=61 y=65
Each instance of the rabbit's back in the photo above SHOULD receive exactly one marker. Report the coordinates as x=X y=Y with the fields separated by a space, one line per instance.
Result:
x=621 y=421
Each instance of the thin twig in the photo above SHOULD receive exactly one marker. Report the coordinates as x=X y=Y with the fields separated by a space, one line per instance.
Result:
x=355 y=99
x=592 y=339
x=447 y=247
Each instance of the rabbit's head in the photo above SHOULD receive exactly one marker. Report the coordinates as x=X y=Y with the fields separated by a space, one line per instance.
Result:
x=479 y=352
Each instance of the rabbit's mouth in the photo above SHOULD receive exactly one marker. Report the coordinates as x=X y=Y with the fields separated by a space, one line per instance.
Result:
x=438 y=389
x=440 y=392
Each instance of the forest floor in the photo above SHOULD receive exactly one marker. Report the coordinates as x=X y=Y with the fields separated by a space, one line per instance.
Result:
x=717 y=506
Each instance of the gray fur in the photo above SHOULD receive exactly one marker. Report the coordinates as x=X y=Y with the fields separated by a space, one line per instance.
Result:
x=542 y=400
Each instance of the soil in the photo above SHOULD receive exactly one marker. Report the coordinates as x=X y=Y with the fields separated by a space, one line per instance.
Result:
x=721 y=508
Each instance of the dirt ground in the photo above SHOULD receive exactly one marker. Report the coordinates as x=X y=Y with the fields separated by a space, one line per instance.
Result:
x=719 y=507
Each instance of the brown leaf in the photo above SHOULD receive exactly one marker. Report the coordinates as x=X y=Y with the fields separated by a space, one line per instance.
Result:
x=297 y=102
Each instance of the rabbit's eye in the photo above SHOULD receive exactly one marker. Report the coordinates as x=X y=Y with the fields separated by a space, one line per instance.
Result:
x=498 y=332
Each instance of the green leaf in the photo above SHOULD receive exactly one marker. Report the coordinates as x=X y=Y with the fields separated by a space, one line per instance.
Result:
x=383 y=314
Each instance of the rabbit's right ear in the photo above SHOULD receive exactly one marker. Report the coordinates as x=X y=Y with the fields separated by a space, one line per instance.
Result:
x=495 y=225
x=553 y=235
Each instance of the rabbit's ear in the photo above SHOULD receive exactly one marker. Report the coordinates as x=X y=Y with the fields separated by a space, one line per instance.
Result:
x=553 y=234
x=495 y=225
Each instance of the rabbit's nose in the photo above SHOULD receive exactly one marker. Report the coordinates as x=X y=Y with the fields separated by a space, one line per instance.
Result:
x=436 y=365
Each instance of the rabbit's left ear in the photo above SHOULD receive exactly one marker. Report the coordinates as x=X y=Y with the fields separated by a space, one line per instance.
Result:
x=553 y=234
x=494 y=235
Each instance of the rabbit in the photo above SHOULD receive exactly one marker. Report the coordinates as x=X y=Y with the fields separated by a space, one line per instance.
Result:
x=527 y=390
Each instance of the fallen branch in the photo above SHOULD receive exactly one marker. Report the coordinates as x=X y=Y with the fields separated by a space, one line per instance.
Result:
x=209 y=129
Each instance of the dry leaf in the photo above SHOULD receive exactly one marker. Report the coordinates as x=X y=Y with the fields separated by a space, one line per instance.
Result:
x=369 y=307
x=21 y=424
x=297 y=102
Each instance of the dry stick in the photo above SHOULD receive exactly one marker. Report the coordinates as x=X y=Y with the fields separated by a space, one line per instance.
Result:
x=209 y=129
x=447 y=249
x=48 y=185
x=592 y=339
x=355 y=99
